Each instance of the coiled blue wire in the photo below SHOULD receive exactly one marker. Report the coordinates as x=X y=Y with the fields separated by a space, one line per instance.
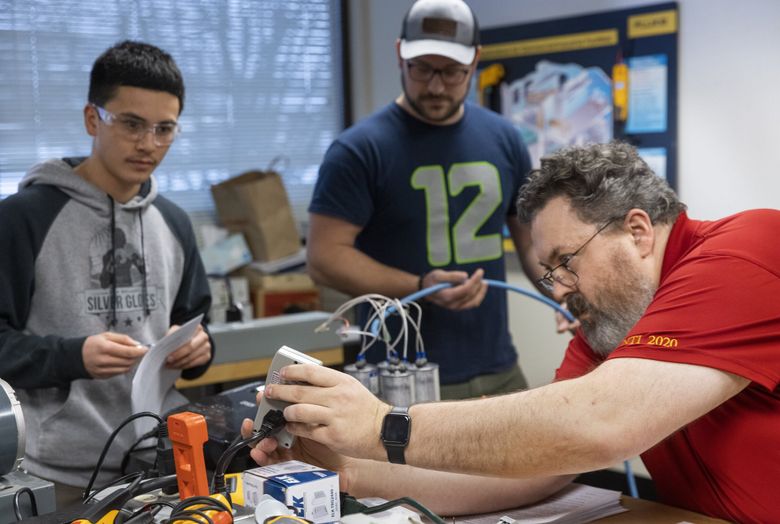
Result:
x=374 y=327
x=492 y=283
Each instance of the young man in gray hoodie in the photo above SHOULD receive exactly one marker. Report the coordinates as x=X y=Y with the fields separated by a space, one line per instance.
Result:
x=94 y=264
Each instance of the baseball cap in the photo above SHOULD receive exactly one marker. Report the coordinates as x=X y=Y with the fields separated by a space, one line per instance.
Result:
x=440 y=27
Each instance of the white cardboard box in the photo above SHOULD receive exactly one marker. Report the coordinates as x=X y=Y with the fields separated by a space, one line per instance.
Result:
x=313 y=492
x=218 y=312
x=219 y=292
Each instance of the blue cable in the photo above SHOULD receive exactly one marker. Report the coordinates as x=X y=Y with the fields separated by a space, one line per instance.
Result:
x=631 y=480
x=374 y=327
x=536 y=296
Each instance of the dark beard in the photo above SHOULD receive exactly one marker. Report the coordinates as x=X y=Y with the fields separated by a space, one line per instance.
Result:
x=420 y=109
x=615 y=310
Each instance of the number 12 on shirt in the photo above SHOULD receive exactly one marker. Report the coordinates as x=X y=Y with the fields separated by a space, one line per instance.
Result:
x=460 y=242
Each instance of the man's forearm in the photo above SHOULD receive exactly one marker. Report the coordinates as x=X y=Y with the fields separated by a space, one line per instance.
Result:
x=355 y=273
x=450 y=493
x=614 y=412
x=538 y=432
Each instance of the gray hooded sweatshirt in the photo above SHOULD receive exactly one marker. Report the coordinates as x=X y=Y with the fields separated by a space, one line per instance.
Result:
x=75 y=263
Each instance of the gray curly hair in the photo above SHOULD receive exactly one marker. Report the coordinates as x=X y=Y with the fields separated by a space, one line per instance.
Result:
x=602 y=182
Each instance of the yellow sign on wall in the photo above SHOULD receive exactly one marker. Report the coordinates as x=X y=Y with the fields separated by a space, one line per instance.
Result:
x=550 y=44
x=652 y=24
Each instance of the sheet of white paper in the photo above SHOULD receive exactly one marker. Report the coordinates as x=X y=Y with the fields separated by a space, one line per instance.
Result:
x=574 y=503
x=152 y=379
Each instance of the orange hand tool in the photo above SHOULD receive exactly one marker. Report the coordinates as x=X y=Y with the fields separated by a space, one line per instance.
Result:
x=187 y=432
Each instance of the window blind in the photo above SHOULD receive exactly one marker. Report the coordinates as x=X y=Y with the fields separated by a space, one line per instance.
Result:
x=263 y=81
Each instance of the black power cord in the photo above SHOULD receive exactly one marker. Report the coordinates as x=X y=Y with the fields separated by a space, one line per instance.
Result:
x=118 y=498
x=350 y=505
x=113 y=501
x=144 y=515
x=135 y=447
x=272 y=423
x=17 y=506
x=108 y=445
x=184 y=510
x=123 y=479
x=164 y=462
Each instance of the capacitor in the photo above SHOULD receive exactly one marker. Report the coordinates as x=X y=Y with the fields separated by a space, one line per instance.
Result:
x=396 y=385
x=367 y=374
x=426 y=382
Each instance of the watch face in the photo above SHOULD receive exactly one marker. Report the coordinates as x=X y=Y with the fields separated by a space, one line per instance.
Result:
x=396 y=428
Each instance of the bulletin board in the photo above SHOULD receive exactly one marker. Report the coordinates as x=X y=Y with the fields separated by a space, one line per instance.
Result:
x=588 y=79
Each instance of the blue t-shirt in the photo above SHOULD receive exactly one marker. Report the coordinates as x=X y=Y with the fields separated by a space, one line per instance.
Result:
x=433 y=197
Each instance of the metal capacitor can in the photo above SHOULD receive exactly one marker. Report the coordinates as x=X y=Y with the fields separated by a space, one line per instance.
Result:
x=397 y=387
x=367 y=374
x=383 y=365
x=426 y=382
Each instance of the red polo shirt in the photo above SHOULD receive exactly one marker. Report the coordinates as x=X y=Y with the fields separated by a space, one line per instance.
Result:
x=717 y=305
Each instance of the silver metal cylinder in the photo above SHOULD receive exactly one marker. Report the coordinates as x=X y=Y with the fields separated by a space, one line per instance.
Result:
x=383 y=365
x=12 y=430
x=396 y=387
x=426 y=382
x=368 y=375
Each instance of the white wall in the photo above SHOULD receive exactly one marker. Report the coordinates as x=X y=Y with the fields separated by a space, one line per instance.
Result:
x=728 y=108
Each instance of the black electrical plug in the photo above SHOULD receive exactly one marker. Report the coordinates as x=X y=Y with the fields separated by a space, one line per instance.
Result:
x=272 y=423
x=166 y=465
x=350 y=504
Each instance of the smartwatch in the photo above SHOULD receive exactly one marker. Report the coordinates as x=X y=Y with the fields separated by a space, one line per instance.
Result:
x=396 y=428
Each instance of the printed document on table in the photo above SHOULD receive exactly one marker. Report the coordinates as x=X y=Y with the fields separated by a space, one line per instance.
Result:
x=152 y=379
x=574 y=504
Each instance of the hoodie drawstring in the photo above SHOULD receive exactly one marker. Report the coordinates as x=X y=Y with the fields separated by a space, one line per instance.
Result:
x=144 y=288
x=144 y=285
x=112 y=321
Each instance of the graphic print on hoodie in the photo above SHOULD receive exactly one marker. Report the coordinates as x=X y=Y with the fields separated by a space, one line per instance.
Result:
x=119 y=279
x=80 y=264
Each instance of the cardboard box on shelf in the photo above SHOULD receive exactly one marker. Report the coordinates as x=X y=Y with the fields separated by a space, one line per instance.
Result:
x=226 y=255
x=256 y=204
x=282 y=293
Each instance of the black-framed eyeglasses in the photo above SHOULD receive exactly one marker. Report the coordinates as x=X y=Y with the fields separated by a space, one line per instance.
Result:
x=451 y=75
x=562 y=272
x=135 y=129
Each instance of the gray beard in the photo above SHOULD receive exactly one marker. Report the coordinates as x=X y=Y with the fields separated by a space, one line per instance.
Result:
x=607 y=330
x=607 y=320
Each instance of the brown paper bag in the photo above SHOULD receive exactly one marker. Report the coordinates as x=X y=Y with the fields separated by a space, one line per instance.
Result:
x=256 y=204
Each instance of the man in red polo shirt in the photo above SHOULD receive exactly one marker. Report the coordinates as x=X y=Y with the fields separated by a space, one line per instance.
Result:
x=677 y=357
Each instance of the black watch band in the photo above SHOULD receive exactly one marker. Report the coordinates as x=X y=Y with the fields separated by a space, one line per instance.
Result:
x=395 y=454
x=396 y=429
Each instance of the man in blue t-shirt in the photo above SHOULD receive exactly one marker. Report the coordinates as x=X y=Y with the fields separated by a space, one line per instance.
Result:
x=419 y=193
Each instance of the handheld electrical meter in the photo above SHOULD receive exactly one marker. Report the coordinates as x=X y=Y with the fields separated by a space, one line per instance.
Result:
x=285 y=356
